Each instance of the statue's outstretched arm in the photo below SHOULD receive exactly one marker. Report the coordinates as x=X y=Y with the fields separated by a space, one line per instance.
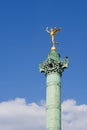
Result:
x=47 y=30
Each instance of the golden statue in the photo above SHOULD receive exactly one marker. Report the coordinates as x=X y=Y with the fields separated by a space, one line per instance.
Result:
x=52 y=32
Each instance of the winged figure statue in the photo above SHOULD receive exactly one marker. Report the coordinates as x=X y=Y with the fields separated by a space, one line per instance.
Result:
x=52 y=32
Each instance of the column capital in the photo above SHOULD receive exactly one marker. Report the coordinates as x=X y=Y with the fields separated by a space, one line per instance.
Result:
x=53 y=63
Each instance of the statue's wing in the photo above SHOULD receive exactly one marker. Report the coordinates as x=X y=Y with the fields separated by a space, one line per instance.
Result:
x=56 y=30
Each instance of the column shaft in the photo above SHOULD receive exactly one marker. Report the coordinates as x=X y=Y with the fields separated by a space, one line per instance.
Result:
x=53 y=101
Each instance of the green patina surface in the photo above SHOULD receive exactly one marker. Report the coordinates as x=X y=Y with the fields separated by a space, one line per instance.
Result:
x=53 y=67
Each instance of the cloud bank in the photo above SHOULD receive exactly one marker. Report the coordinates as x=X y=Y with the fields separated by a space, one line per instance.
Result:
x=74 y=117
x=18 y=115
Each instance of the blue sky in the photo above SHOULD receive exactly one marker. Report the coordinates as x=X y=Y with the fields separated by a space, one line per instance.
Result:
x=24 y=43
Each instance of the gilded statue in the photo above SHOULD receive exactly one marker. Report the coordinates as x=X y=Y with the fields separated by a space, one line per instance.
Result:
x=52 y=32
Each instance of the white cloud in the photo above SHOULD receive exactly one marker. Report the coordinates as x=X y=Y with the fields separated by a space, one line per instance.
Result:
x=19 y=115
x=74 y=117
